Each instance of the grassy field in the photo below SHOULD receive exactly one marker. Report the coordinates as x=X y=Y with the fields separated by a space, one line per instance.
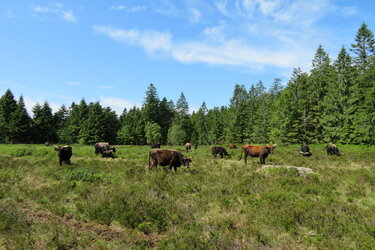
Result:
x=217 y=203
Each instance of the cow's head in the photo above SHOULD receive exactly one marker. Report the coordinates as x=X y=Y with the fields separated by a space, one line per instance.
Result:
x=270 y=148
x=186 y=161
x=113 y=148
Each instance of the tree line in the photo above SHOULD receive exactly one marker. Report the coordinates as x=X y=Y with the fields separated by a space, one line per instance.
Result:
x=334 y=102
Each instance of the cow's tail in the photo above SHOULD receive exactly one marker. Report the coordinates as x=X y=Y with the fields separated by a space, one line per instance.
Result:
x=149 y=161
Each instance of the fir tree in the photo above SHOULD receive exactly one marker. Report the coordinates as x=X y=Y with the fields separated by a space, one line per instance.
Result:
x=364 y=47
x=20 y=123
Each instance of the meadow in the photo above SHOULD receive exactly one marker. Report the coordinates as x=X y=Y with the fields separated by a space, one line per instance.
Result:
x=215 y=204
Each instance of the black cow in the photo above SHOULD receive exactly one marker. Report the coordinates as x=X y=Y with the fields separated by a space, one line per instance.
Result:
x=108 y=153
x=100 y=147
x=170 y=157
x=332 y=149
x=305 y=150
x=217 y=150
x=188 y=147
x=156 y=145
x=196 y=146
x=64 y=153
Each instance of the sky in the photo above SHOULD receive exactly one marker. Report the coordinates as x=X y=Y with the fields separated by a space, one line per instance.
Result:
x=111 y=50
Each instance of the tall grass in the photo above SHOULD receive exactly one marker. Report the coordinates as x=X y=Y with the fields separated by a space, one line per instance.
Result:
x=217 y=203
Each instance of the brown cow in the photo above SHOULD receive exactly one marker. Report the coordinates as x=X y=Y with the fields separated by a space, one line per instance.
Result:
x=170 y=157
x=332 y=149
x=100 y=147
x=188 y=147
x=232 y=146
x=257 y=151
x=64 y=153
x=217 y=150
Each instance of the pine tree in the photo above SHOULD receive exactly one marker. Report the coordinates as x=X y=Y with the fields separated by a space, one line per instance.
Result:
x=8 y=106
x=201 y=125
x=151 y=105
x=166 y=112
x=322 y=76
x=238 y=114
x=43 y=124
x=132 y=128
x=181 y=122
x=20 y=123
x=364 y=47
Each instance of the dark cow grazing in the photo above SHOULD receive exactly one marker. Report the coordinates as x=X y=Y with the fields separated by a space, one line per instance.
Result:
x=232 y=146
x=188 y=147
x=164 y=157
x=196 y=146
x=305 y=150
x=332 y=149
x=64 y=153
x=108 y=153
x=156 y=145
x=217 y=150
x=257 y=151
x=100 y=147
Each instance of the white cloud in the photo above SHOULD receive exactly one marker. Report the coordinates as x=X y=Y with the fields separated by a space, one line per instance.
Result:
x=69 y=16
x=232 y=52
x=43 y=9
x=106 y=87
x=151 y=41
x=138 y=8
x=132 y=9
x=118 y=104
x=195 y=15
x=117 y=7
x=73 y=83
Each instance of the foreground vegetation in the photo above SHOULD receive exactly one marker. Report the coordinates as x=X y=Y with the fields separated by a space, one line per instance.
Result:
x=217 y=203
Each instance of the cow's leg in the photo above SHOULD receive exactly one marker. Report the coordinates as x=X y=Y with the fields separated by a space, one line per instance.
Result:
x=175 y=168
x=245 y=158
x=222 y=155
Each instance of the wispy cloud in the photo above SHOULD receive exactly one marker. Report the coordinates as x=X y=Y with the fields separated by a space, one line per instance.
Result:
x=73 y=83
x=118 y=7
x=55 y=7
x=151 y=41
x=106 y=87
x=233 y=52
x=69 y=16
x=131 y=9
x=248 y=33
x=118 y=104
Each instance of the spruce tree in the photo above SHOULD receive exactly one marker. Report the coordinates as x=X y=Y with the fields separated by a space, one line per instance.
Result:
x=364 y=47
x=43 y=124
x=8 y=106
x=20 y=123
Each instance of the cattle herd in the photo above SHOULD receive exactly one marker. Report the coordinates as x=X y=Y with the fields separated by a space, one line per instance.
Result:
x=174 y=158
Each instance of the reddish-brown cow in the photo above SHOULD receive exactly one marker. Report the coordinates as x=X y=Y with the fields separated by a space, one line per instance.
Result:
x=232 y=146
x=257 y=151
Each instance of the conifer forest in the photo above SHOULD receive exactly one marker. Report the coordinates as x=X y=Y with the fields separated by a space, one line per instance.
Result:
x=334 y=102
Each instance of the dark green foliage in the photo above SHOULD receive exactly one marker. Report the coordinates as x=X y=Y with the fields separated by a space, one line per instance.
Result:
x=43 y=126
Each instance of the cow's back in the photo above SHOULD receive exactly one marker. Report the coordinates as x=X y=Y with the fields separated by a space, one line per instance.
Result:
x=163 y=157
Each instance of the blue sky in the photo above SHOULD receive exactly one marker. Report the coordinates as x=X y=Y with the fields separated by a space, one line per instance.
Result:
x=110 y=51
